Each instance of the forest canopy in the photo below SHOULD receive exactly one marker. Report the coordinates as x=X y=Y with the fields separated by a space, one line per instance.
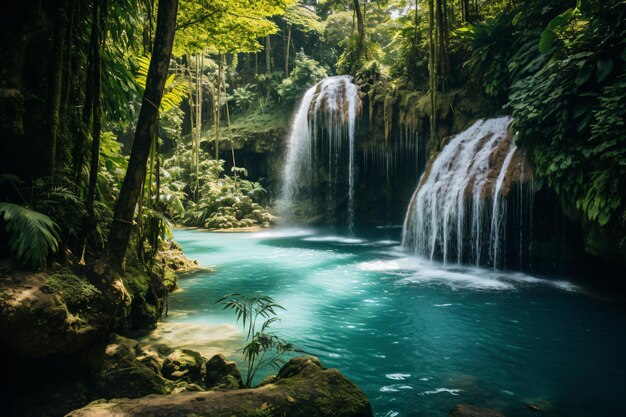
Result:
x=82 y=150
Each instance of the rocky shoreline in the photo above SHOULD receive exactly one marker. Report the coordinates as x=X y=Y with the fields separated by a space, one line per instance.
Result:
x=65 y=346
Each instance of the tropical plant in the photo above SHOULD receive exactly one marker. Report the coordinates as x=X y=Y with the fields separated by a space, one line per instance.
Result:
x=244 y=96
x=174 y=92
x=306 y=73
x=263 y=347
x=570 y=112
x=32 y=235
x=212 y=199
x=487 y=47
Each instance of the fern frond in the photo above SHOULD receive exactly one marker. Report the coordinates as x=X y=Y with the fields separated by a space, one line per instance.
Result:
x=33 y=235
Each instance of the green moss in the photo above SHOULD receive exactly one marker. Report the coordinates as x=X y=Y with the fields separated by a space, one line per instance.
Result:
x=75 y=291
x=136 y=281
x=260 y=129
x=184 y=365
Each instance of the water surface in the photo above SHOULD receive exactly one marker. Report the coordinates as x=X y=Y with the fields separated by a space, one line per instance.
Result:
x=417 y=337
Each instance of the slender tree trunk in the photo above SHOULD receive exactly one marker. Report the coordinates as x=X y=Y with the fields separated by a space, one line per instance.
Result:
x=432 y=69
x=81 y=136
x=360 y=28
x=268 y=56
x=89 y=221
x=67 y=59
x=217 y=109
x=198 y=135
x=97 y=112
x=146 y=126
x=287 y=50
x=55 y=84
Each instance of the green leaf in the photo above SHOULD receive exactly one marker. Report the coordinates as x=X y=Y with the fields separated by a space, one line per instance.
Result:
x=546 y=41
x=32 y=235
x=583 y=75
x=604 y=69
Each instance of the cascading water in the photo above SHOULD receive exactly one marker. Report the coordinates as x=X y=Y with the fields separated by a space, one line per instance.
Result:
x=458 y=212
x=322 y=131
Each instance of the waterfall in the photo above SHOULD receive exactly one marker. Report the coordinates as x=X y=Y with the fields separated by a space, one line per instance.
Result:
x=316 y=164
x=458 y=212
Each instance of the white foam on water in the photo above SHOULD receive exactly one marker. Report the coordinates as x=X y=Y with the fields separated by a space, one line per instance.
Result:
x=334 y=239
x=394 y=388
x=417 y=270
x=457 y=279
x=388 y=242
x=450 y=391
x=280 y=233
x=398 y=377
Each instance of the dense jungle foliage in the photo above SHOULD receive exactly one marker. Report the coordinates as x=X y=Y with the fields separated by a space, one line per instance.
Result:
x=121 y=118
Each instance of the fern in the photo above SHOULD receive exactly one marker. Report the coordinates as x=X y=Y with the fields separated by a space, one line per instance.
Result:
x=32 y=235
x=174 y=93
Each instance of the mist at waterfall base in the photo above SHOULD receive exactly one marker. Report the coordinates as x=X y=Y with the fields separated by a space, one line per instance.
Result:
x=417 y=336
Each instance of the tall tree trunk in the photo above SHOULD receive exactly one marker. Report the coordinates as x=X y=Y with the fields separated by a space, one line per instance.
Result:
x=432 y=69
x=360 y=28
x=217 y=99
x=55 y=84
x=287 y=50
x=97 y=117
x=68 y=62
x=198 y=135
x=268 y=56
x=81 y=136
x=146 y=127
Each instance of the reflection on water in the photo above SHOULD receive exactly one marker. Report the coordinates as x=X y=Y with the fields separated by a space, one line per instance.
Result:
x=416 y=336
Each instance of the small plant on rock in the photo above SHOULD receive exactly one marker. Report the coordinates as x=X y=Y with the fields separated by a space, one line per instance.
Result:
x=263 y=347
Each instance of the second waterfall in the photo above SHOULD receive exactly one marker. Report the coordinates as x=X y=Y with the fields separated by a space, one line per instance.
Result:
x=316 y=180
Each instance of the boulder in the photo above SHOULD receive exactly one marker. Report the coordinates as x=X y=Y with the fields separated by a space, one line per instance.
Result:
x=222 y=374
x=43 y=314
x=311 y=391
x=467 y=410
x=130 y=371
x=183 y=365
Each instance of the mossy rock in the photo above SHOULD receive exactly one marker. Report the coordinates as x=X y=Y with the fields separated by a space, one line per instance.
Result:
x=222 y=374
x=183 y=365
x=129 y=371
x=42 y=314
x=270 y=379
x=314 y=391
x=76 y=291
x=302 y=366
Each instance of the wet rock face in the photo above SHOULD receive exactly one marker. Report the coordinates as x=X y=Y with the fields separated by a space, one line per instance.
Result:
x=467 y=410
x=472 y=198
x=303 y=388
